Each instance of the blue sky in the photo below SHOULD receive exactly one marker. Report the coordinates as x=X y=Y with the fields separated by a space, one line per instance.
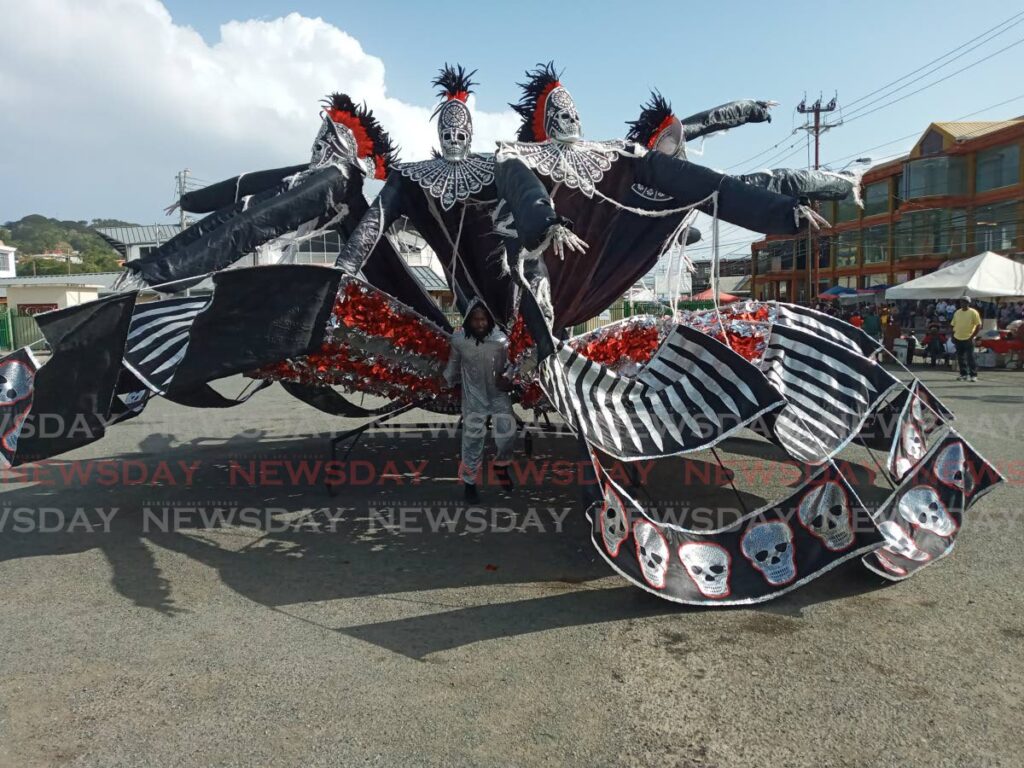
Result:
x=148 y=88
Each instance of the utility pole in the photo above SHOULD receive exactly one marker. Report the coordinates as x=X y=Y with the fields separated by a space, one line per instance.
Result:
x=815 y=129
x=182 y=179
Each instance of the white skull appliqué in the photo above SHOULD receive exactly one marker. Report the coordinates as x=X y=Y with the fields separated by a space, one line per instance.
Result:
x=614 y=521
x=15 y=382
x=922 y=508
x=952 y=470
x=708 y=565
x=825 y=512
x=912 y=449
x=455 y=130
x=769 y=548
x=899 y=543
x=652 y=552
x=561 y=120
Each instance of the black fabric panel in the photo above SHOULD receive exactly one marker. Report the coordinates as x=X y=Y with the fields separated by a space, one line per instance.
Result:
x=74 y=390
x=230 y=191
x=258 y=316
x=205 y=396
x=330 y=401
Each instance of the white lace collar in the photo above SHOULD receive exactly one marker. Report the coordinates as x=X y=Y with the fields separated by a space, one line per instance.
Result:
x=578 y=165
x=451 y=181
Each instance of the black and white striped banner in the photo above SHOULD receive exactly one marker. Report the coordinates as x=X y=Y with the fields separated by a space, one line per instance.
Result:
x=158 y=339
x=829 y=389
x=826 y=327
x=694 y=392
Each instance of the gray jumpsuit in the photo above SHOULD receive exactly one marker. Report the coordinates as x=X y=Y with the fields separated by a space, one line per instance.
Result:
x=477 y=366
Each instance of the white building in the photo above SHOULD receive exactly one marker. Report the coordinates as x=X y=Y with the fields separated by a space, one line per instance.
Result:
x=7 y=260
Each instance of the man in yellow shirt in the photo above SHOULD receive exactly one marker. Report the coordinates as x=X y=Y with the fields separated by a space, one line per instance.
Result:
x=966 y=324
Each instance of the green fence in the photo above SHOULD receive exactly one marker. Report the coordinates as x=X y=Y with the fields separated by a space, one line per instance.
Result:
x=6 y=335
x=24 y=329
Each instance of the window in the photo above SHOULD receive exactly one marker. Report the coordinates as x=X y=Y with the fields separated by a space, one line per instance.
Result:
x=876 y=198
x=763 y=262
x=995 y=227
x=999 y=167
x=934 y=176
x=846 y=247
x=876 y=244
x=801 y=253
x=849 y=281
x=780 y=253
x=145 y=250
x=936 y=232
x=847 y=210
x=873 y=280
x=783 y=290
x=5 y=261
x=824 y=253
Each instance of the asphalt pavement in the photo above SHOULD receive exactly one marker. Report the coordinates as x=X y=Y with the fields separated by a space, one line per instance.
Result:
x=186 y=592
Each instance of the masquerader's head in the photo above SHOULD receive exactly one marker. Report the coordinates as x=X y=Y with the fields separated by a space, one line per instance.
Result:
x=547 y=108
x=479 y=322
x=454 y=123
x=658 y=128
x=351 y=134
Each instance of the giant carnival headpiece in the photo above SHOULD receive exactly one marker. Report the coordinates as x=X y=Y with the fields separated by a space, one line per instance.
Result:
x=547 y=108
x=454 y=123
x=351 y=133
x=658 y=128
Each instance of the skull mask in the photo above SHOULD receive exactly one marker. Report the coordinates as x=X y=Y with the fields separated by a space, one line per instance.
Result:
x=652 y=552
x=899 y=543
x=561 y=120
x=708 y=566
x=455 y=130
x=614 y=522
x=922 y=508
x=671 y=141
x=769 y=547
x=951 y=468
x=335 y=144
x=825 y=512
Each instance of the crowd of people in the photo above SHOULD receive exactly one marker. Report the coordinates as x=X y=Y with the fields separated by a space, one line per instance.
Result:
x=934 y=328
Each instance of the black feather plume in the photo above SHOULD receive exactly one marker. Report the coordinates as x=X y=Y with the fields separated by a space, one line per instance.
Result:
x=537 y=81
x=652 y=115
x=454 y=79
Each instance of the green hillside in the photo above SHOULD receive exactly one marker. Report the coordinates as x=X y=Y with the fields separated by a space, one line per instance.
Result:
x=38 y=234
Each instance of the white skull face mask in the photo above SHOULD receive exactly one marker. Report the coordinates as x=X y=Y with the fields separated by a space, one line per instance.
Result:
x=708 y=565
x=454 y=130
x=561 y=120
x=922 y=508
x=951 y=468
x=336 y=144
x=899 y=543
x=652 y=552
x=614 y=522
x=825 y=512
x=769 y=547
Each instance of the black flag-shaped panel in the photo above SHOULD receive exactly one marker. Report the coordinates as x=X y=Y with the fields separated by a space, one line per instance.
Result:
x=826 y=327
x=258 y=316
x=924 y=515
x=158 y=338
x=17 y=387
x=75 y=388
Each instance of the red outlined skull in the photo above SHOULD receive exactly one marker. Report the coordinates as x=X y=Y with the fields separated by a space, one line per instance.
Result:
x=769 y=548
x=922 y=508
x=652 y=552
x=951 y=468
x=709 y=566
x=825 y=512
x=614 y=521
x=898 y=542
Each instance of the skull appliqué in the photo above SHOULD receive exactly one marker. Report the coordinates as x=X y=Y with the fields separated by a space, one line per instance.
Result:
x=454 y=130
x=769 y=548
x=614 y=521
x=825 y=512
x=652 y=552
x=561 y=120
x=898 y=542
x=922 y=508
x=708 y=566
x=16 y=379
x=951 y=468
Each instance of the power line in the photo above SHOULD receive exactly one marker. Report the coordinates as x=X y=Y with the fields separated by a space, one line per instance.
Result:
x=943 y=56
x=935 y=82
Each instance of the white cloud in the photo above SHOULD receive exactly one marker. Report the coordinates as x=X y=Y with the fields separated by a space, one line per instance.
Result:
x=104 y=101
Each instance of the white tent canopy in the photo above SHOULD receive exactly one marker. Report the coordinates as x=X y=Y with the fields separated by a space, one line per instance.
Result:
x=985 y=276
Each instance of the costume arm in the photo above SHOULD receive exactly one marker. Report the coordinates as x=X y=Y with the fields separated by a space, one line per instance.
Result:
x=370 y=231
x=322 y=193
x=738 y=203
x=522 y=194
x=726 y=116
x=232 y=190
x=809 y=184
